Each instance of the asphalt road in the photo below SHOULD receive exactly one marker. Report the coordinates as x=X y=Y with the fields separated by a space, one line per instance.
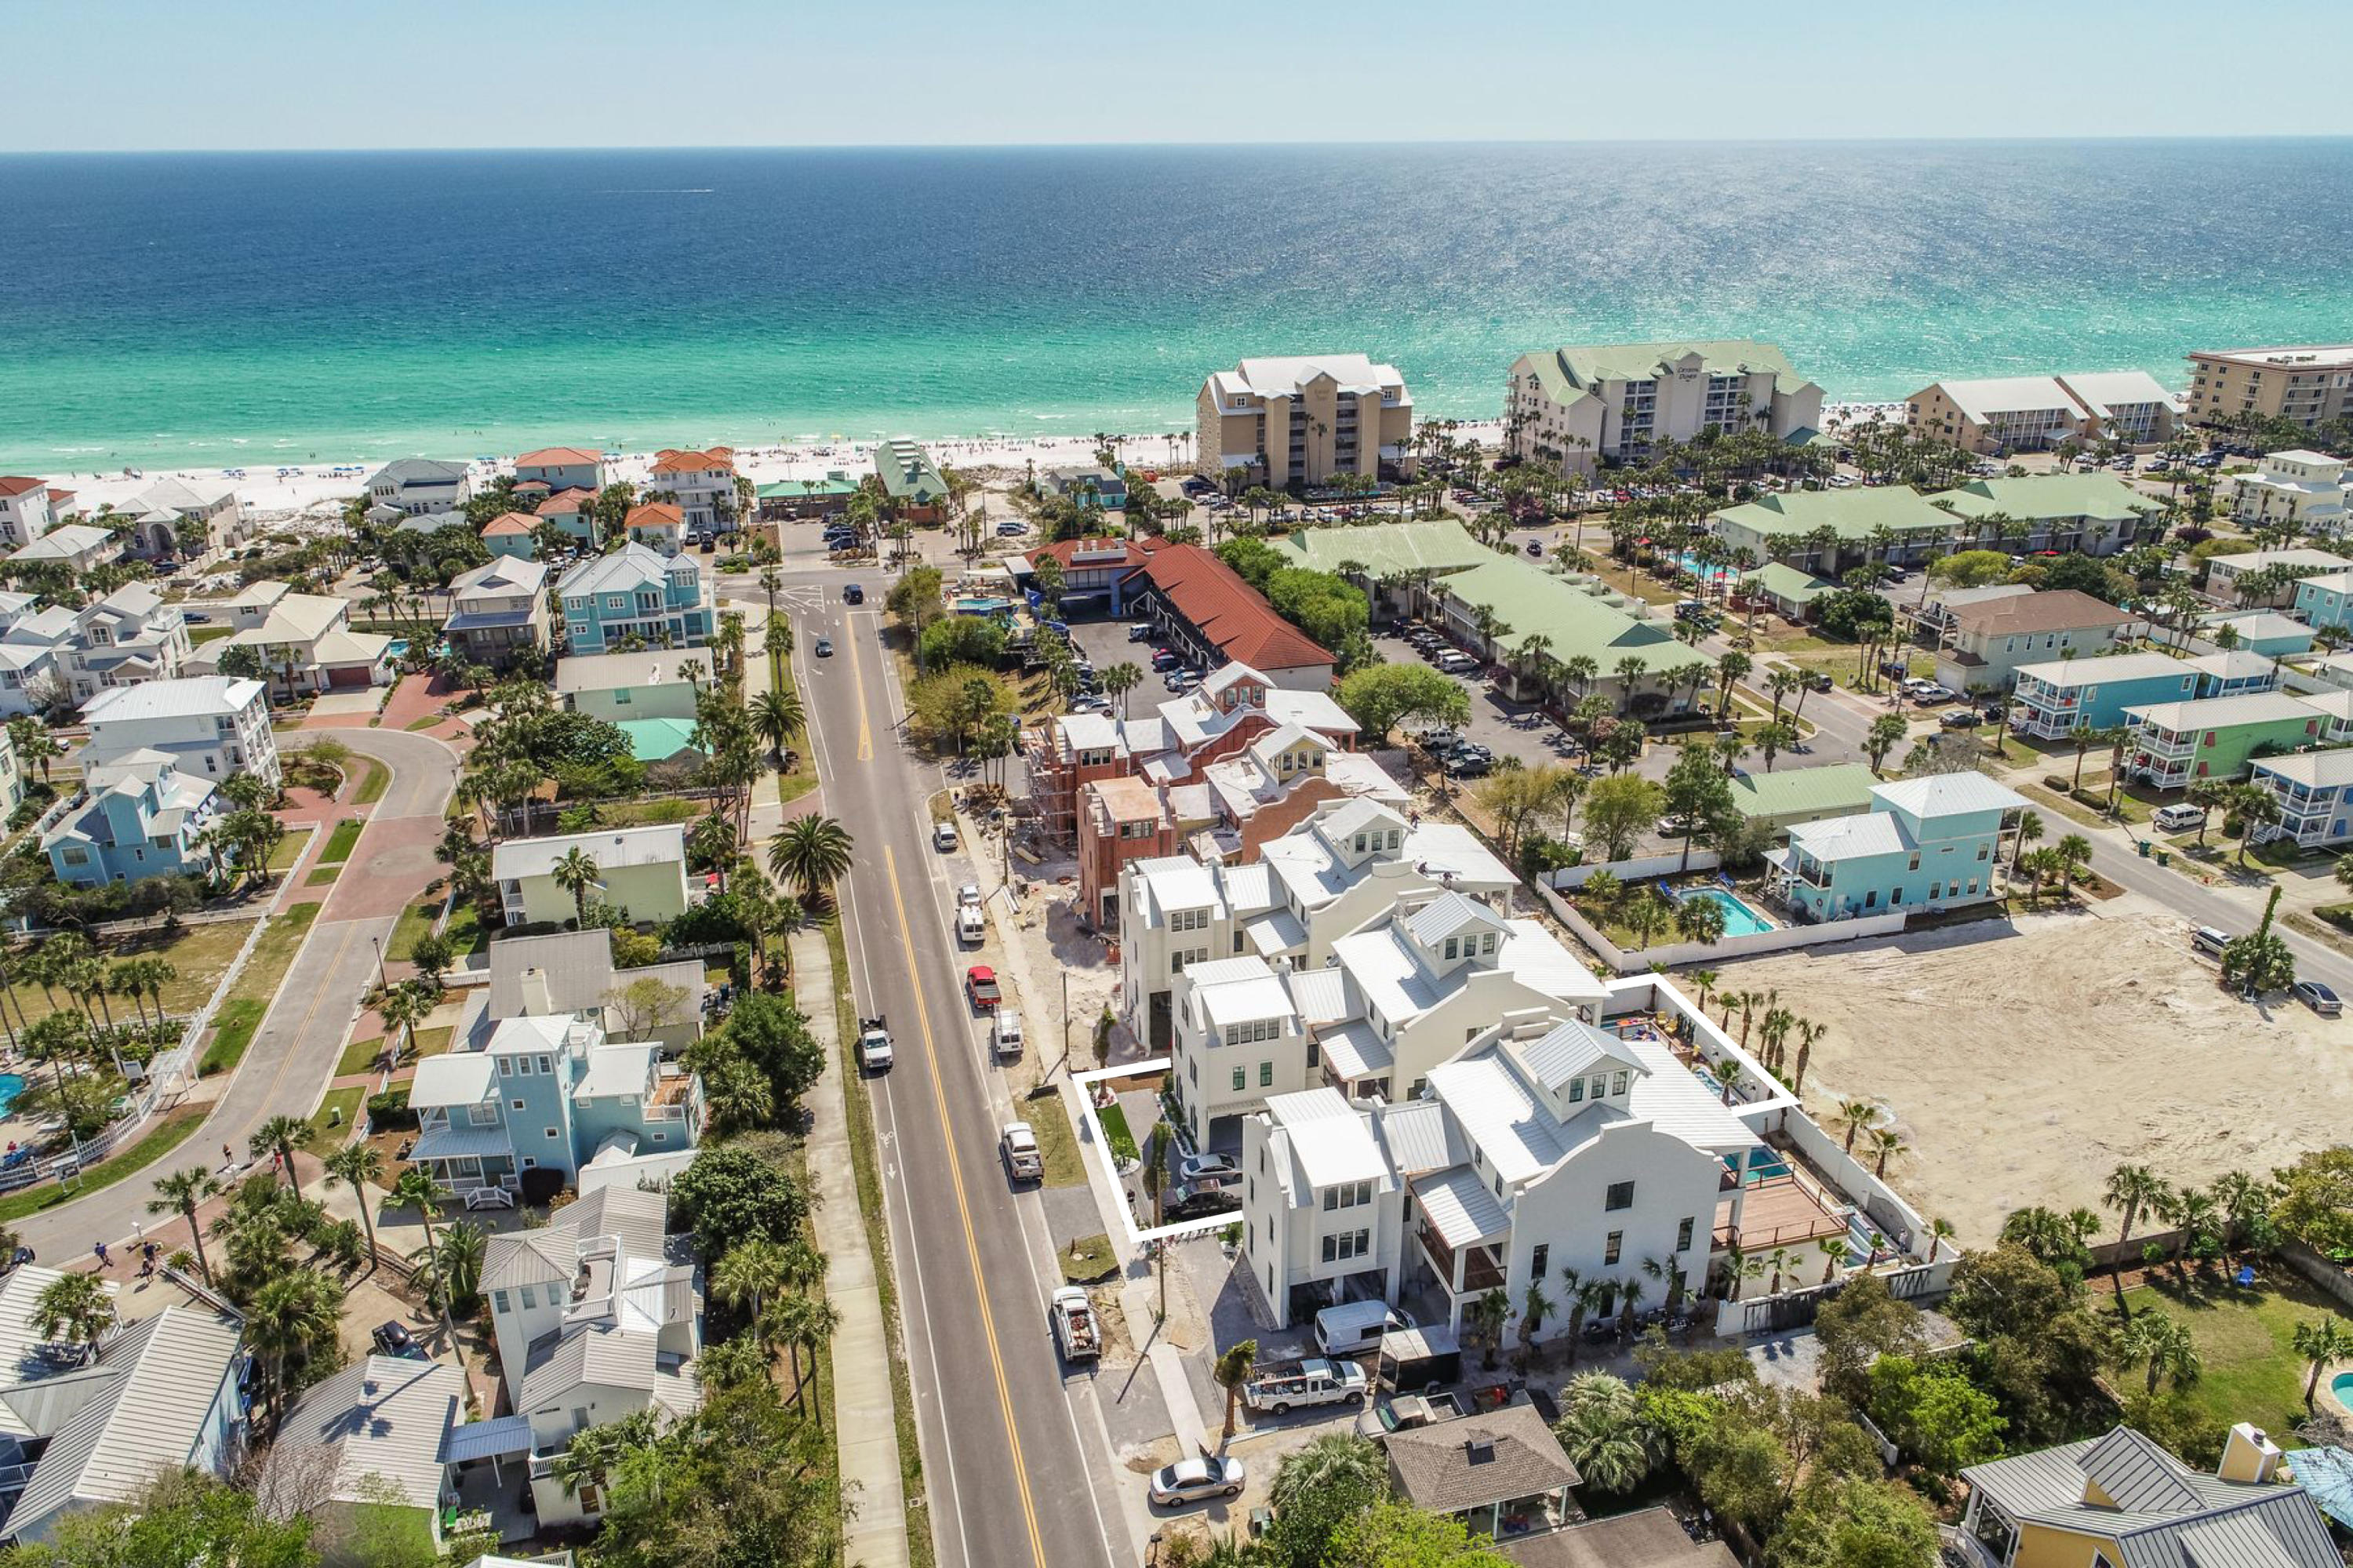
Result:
x=294 y=1052
x=1017 y=1462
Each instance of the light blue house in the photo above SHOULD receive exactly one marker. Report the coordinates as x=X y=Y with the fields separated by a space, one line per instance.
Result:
x=550 y=1093
x=2056 y=698
x=2314 y=790
x=2264 y=632
x=635 y=592
x=138 y=816
x=1925 y=844
x=2327 y=600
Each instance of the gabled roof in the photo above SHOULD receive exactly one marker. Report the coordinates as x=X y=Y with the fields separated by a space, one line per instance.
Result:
x=558 y=457
x=17 y=484
x=194 y=696
x=624 y=569
x=550 y=1253
x=1568 y=373
x=453 y=1078
x=2224 y=713
x=563 y=501
x=501 y=576
x=655 y=515
x=1390 y=549
x=672 y=460
x=1448 y=914
x=384 y=1416
x=63 y=544
x=2034 y=497
x=2053 y=609
x=1329 y=1137
x=1984 y=399
x=1944 y=794
x=27 y=1355
x=419 y=470
x=507 y=522
x=2107 y=669
x=1229 y=611
x=1474 y=1460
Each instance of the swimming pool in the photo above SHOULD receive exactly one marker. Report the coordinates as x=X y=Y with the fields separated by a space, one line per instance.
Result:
x=2341 y=1385
x=1739 y=920
x=1702 y=570
x=11 y=1085
x=398 y=648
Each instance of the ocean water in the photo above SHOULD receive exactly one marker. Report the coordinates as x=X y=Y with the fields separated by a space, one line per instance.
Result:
x=212 y=309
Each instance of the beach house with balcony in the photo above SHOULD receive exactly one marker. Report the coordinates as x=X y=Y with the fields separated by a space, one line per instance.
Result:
x=1984 y=644
x=561 y=468
x=2055 y=698
x=421 y=487
x=2124 y=1500
x=136 y=817
x=2326 y=600
x=598 y=1316
x=1297 y=421
x=2304 y=491
x=2224 y=573
x=546 y=1093
x=2094 y=514
x=913 y=485
x=78 y=548
x=498 y=612
x=1090 y=484
x=129 y=636
x=2215 y=737
x=659 y=526
x=617 y=687
x=639 y=870
x=213 y=727
x=2269 y=633
x=2315 y=791
x=1932 y=842
x=635 y=593
x=182 y=517
x=701 y=484
x=24 y=511
x=1575 y=408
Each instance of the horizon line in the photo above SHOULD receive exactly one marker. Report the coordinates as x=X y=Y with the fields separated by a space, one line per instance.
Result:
x=1859 y=140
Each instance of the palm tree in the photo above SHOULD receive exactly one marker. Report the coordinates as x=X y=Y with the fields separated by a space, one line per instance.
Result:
x=1336 y=1464
x=2030 y=828
x=2130 y=1189
x=403 y=1008
x=750 y=1273
x=2074 y=856
x=282 y=1136
x=2321 y=1342
x=183 y=1192
x=74 y=1309
x=1232 y=1370
x=1120 y=678
x=1488 y=1315
x=1885 y=1143
x=576 y=873
x=2163 y=1345
x=1533 y=1307
x=1704 y=979
x=289 y=1319
x=356 y=1165
x=806 y=1323
x=416 y=1189
x=1602 y=1431
x=1585 y=1297
x=777 y=717
x=1854 y=1116
x=812 y=852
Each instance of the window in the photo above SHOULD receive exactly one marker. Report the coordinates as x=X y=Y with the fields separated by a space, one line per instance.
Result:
x=546 y=1065
x=1452 y=946
x=1611 y=1248
x=530 y=1298
x=1266 y=1075
x=482 y=1115
x=1539 y=1259
x=1619 y=1196
x=1683 y=1234
x=553 y=1133
x=1600 y=1085
x=516 y=1103
x=1241 y=1078
x=1618 y=1082
x=1575 y=1090
x=499 y=1302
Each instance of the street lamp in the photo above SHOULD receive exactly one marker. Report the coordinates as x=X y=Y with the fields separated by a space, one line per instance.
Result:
x=381 y=978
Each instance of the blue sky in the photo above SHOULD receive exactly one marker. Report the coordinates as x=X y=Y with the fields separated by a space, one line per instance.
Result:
x=135 y=74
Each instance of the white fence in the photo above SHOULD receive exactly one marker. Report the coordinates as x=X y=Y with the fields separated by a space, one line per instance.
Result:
x=1780 y=938
x=1642 y=868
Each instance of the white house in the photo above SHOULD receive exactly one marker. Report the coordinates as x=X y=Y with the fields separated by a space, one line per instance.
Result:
x=701 y=484
x=213 y=727
x=78 y=546
x=640 y=870
x=598 y=1316
x=171 y=513
x=421 y=487
x=618 y=686
x=127 y=637
x=305 y=644
x=24 y=511
x=2304 y=491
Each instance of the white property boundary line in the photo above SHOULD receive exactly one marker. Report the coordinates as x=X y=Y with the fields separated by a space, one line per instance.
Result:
x=1086 y=1083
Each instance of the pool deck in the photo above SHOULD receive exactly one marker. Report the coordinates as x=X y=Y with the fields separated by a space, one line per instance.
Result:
x=1735 y=910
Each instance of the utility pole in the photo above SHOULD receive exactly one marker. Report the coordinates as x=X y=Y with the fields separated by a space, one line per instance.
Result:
x=1066 y=1020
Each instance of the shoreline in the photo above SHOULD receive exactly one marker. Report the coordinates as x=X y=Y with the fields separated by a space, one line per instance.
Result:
x=267 y=487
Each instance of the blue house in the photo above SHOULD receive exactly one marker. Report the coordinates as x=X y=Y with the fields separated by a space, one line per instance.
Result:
x=2327 y=600
x=1090 y=486
x=1925 y=844
x=635 y=592
x=546 y=1093
x=138 y=816
x=2314 y=790
x=2059 y=696
x=2264 y=632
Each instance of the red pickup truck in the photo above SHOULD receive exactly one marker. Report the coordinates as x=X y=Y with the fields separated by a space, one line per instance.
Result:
x=980 y=984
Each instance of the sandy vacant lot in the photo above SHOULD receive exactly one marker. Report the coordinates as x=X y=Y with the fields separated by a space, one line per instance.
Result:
x=2020 y=1068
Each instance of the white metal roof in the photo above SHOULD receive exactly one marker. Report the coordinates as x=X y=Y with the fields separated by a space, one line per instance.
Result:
x=194 y=696
x=387 y=1415
x=611 y=848
x=1355 y=1050
x=615 y=1070
x=1457 y=1202
x=624 y=569
x=612 y=671
x=453 y=1078
x=1983 y=398
x=1862 y=833
x=1944 y=794
x=1328 y=1138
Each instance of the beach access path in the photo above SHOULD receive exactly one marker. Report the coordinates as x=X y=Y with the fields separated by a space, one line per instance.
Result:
x=294 y=1051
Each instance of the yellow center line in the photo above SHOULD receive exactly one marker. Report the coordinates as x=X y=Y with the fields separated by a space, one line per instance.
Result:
x=964 y=1211
x=857 y=681
x=350 y=929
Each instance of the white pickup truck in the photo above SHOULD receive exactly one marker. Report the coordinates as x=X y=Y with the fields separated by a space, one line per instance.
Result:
x=874 y=1045
x=1279 y=1387
x=1021 y=1155
x=1075 y=1328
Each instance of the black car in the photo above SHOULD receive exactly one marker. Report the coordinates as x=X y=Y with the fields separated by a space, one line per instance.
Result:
x=1200 y=1203
x=854 y=594
x=392 y=1339
x=1819 y=681
x=1464 y=765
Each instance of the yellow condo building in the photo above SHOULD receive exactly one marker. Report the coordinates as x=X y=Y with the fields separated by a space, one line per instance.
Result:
x=1303 y=420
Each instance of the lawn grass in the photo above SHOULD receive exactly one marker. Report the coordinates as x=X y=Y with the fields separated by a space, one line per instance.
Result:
x=290 y=849
x=160 y=1139
x=1087 y=1259
x=428 y=721
x=202 y=635
x=648 y=813
x=2245 y=1340
x=359 y=1056
x=1057 y=1144
x=433 y=1042
x=1116 y=1135
x=340 y=841
x=332 y=1126
x=866 y=1167
x=322 y=875
x=415 y=921
x=241 y=1013
x=375 y=780
x=200 y=954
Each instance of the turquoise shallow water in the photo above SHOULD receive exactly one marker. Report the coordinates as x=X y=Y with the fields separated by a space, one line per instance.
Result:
x=257 y=308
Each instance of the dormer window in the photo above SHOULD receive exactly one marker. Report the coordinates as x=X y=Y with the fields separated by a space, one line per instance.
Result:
x=1487 y=944
x=1577 y=1091
x=1617 y=1084
x=1451 y=947
x=1600 y=1085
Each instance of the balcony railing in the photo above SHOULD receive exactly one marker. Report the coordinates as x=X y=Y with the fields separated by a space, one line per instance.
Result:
x=1480 y=1271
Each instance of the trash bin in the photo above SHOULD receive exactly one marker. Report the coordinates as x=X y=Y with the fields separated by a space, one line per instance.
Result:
x=2165 y=857
x=2142 y=845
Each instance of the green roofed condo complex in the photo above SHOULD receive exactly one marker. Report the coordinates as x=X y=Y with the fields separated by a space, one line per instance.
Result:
x=1571 y=408
x=1391 y=560
x=1829 y=532
x=1568 y=638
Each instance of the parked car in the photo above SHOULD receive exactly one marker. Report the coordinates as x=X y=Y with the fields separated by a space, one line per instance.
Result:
x=1140 y=632
x=1199 y=1200
x=2177 y=818
x=2207 y=939
x=1198 y=1480
x=1961 y=719
x=1012 y=525
x=1192 y=1167
x=1463 y=766
x=2317 y=997
x=1819 y=681
x=944 y=836
x=1165 y=659
x=1022 y=1159
x=392 y=1339
x=980 y=985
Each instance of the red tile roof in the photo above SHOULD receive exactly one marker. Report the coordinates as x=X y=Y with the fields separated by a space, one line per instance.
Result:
x=558 y=457
x=14 y=486
x=508 y=523
x=669 y=460
x=56 y=494
x=1229 y=611
x=655 y=515
x=574 y=500
x=518 y=486
x=1135 y=553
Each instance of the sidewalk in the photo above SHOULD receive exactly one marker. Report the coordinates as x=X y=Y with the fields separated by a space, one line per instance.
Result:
x=866 y=1434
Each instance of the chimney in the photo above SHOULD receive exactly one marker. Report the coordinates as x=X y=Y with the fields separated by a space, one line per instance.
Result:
x=2248 y=1455
x=1479 y=1450
x=538 y=1000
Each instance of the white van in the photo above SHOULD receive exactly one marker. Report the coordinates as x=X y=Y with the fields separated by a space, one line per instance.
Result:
x=1354 y=1327
x=2178 y=817
x=1007 y=1032
x=971 y=924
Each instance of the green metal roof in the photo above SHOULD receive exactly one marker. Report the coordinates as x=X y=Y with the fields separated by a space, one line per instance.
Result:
x=1530 y=600
x=1849 y=513
x=1568 y=373
x=1392 y=549
x=1789 y=584
x=1840 y=787
x=2100 y=496
x=908 y=472
x=658 y=739
x=805 y=489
